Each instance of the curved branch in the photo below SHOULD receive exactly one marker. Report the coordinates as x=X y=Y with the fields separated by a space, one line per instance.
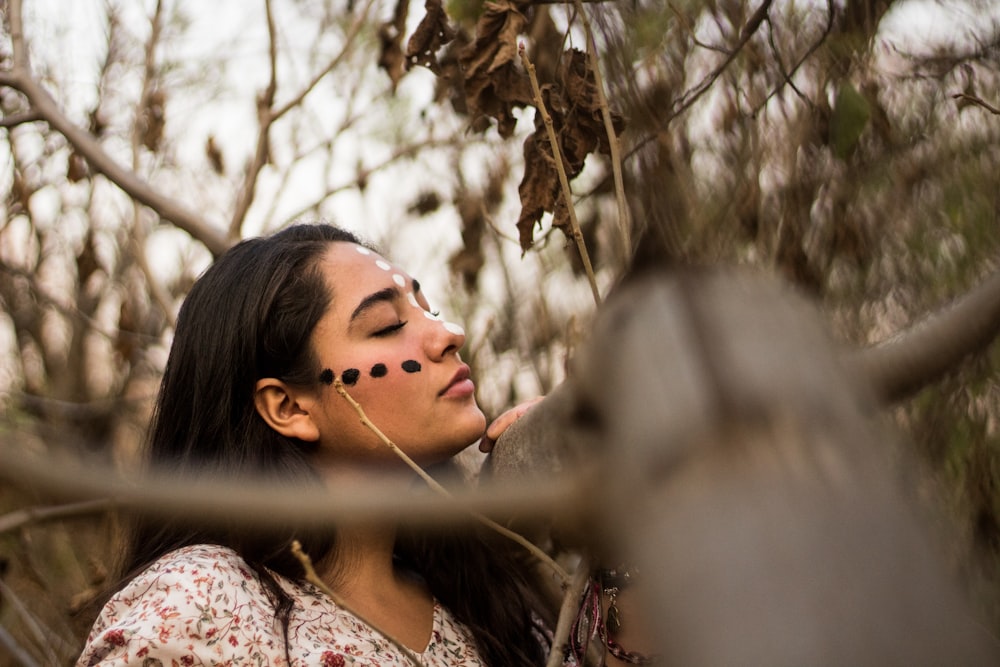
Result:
x=926 y=351
x=16 y=519
x=16 y=119
x=19 y=77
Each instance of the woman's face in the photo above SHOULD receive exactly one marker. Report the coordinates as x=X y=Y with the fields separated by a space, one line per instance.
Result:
x=394 y=357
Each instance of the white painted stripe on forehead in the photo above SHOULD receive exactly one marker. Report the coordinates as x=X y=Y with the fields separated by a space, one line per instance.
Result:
x=362 y=250
x=412 y=299
x=399 y=280
x=382 y=264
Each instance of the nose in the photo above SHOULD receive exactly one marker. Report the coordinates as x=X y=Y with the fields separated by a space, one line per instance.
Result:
x=442 y=338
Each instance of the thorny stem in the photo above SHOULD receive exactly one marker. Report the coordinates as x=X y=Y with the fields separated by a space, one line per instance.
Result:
x=436 y=486
x=561 y=170
x=313 y=578
x=609 y=127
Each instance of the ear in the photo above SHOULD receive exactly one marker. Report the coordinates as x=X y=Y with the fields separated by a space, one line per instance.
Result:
x=284 y=410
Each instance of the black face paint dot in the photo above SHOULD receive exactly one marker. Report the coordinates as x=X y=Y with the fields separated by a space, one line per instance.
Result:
x=411 y=366
x=350 y=376
x=379 y=370
x=326 y=377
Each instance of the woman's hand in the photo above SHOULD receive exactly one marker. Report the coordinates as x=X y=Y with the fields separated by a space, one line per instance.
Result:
x=501 y=423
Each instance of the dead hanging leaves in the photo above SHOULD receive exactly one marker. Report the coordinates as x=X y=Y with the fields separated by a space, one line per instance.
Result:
x=494 y=84
x=433 y=33
x=390 y=35
x=491 y=84
x=574 y=106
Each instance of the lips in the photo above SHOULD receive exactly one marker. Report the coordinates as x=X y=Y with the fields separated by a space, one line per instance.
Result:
x=460 y=383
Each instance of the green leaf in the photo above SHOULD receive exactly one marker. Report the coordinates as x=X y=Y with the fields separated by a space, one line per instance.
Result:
x=851 y=114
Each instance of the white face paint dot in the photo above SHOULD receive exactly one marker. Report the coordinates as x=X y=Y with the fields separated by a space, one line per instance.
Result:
x=431 y=316
x=412 y=299
x=362 y=250
x=453 y=328
x=382 y=264
x=399 y=280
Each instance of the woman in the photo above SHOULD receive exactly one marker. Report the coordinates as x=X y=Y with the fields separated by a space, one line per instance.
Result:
x=248 y=391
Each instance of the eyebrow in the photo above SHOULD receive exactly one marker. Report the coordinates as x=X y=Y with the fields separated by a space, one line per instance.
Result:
x=388 y=294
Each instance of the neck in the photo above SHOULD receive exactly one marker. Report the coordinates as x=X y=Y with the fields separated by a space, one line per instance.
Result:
x=362 y=563
x=362 y=572
x=362 y=560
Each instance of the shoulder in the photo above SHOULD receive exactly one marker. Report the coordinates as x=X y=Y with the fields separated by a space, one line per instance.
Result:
x=202 y=603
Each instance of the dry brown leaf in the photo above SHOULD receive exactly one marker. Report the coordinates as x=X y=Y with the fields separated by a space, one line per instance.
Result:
x=469 y=259
x=431 y=34
x=153 y=119
x=390 y=35
x=76 y=167
x=574 y=106
x=538 y=186
x=493 y=83
x=214 y=155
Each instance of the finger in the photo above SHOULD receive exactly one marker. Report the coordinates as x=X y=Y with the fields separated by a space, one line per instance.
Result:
x=503 y=422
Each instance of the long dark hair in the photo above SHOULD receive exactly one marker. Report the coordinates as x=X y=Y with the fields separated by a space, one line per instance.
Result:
x=249 y=316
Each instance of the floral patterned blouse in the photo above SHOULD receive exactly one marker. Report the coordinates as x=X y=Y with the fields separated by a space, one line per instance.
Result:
x=202 y=605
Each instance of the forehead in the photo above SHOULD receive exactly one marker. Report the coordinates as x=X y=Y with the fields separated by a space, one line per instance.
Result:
x=353 y=271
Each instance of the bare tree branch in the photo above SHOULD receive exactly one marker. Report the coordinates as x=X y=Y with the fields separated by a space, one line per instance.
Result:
x=29 y=515
x=923 y=353
x=20 y=118
x=694 y=94
x=21 y=79
x=267 y=115
x=972 y=99
x=267 y=505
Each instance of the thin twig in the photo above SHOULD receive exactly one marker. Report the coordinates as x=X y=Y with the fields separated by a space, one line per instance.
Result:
x=137 y=240
x=267 y=114
x=693 y=94
x=70 y=312
x=568 y=612
x=265 y=118
x=831 y=12
x=22 y=517
x=349 y=38
x=977 y=101
x=561 y=170
x=16 y=119
x=338 y=600
x=436 y=486
x=397 y=154
x=609 y=127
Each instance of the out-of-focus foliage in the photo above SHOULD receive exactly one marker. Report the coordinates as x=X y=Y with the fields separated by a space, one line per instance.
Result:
x=828 y=142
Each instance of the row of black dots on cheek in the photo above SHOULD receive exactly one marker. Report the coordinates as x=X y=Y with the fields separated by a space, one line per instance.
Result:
x=351 y=375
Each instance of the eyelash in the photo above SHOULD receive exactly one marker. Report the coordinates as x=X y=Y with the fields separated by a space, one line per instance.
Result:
x=389 y=329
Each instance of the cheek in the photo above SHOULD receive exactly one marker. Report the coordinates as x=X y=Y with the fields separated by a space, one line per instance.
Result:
x=376 y=373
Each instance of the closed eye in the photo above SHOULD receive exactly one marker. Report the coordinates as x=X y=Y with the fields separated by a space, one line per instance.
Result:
x=389 y=330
